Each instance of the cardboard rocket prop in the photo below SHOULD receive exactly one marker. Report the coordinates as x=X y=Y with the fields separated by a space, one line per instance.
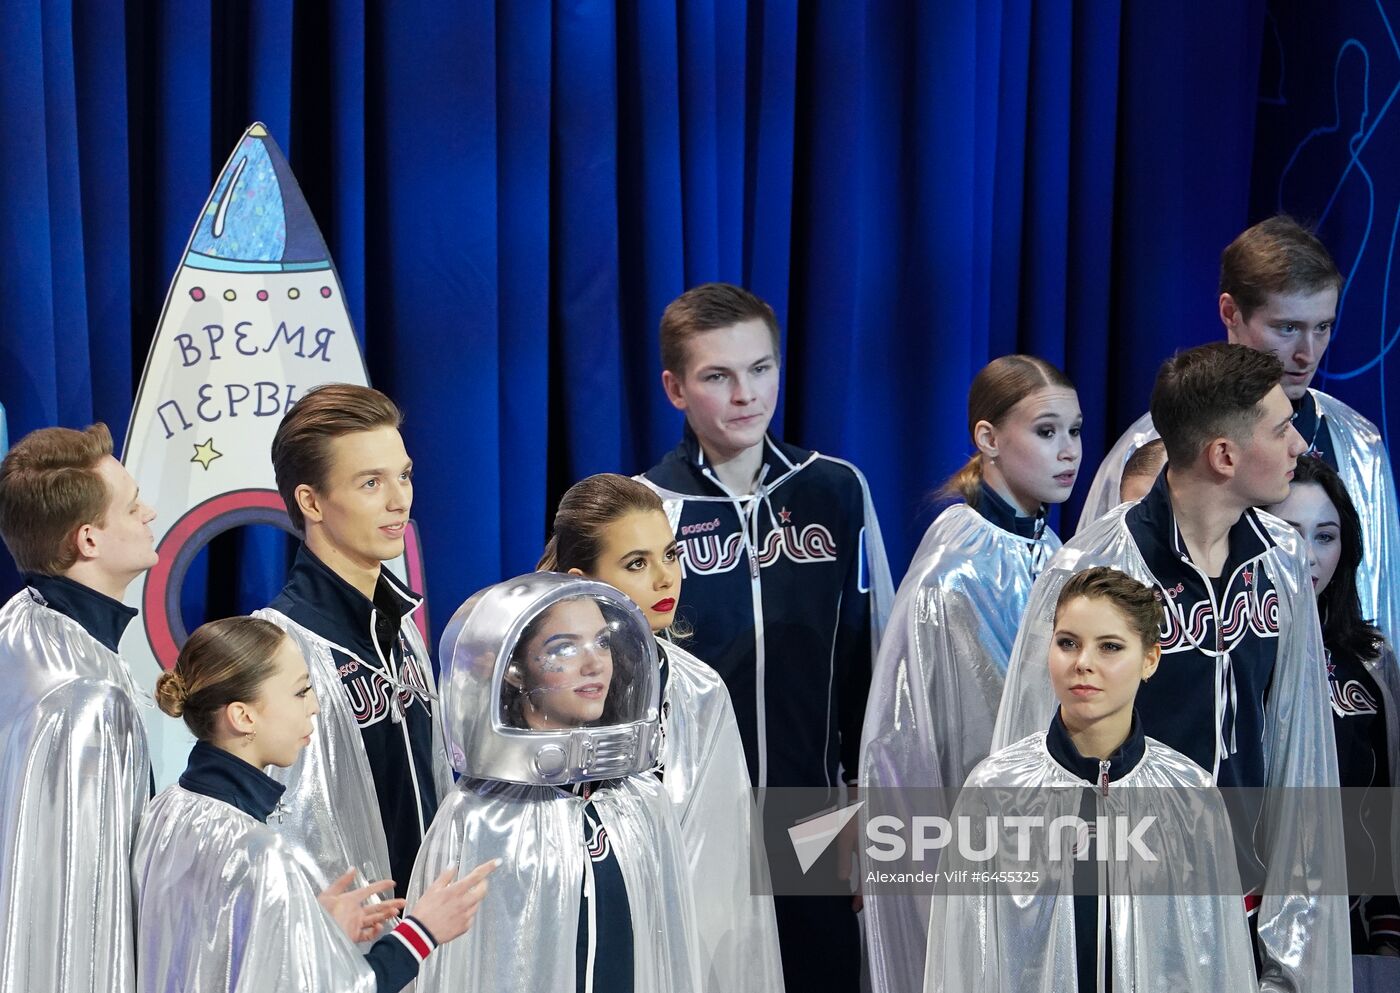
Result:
x=254 y=318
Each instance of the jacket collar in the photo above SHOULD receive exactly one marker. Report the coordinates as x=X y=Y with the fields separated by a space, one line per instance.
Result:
x=1158 y=537
x=778 y=458
x=1311 y=423
x=1001 y=514
x=1061 y=748
x=321 y=601
x=215 y=773
x=99 y=615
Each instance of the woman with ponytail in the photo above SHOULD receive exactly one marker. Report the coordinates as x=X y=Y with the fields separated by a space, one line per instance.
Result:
x=615 y=530
x=938 y=676
x=222 y=905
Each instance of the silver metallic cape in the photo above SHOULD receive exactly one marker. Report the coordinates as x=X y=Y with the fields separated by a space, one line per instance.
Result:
x=524 y=938
x=1304 y=933
x=74 y=776
x=224 y=906
x=707 y=780
x=934 y=695
x=1364 y=465
x=332 y=808
x=992 y=941
x=1103 y=492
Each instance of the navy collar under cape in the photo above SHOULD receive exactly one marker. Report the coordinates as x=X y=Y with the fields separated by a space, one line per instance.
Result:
x=1123 y=761
x=1153 y=525
x=1001 y=514
x=100 y=616
x=778 y=457
x=1311 y=423
x=318 y=599
x=213 y=772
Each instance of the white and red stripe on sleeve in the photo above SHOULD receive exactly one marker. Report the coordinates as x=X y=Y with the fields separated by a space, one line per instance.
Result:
x=415 y=938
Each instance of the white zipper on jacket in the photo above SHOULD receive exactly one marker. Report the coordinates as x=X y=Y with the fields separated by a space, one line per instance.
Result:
x=1102 y=928
x=588 y=899
x=748 y=519
x=1226 y=691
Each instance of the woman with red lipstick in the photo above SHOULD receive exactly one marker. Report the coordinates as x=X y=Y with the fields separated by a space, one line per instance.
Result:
x=223 y=903
x=938 y=676
x=1108 y=921
x=1364 y=685
x=615 y=530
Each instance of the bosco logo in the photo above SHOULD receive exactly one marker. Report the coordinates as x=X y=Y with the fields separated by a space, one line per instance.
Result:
x=704 y=527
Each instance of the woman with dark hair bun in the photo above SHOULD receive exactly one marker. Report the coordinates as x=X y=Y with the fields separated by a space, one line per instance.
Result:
x=222 y=903
x=938 y=676
x=1364 y=685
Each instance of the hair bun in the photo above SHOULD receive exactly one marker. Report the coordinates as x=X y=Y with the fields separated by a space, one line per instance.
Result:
x=171 y=693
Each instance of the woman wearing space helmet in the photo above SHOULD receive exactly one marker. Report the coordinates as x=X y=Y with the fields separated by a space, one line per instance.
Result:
x=550 y=711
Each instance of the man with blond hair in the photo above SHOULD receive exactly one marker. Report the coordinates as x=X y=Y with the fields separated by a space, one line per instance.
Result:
x=74 y=769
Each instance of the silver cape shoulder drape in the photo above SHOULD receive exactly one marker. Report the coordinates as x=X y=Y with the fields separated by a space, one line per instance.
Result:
x=74 y=776
x=934 y=696
x=707 y=780
x=1103 y=491
x=988 y=939
x=224 y=906
x=1302 y=927
x=332 y=808
x=1364 y=466
x=524 y=938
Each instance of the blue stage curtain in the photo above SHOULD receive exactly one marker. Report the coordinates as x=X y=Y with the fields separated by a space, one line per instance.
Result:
x=513 y=191
x=1325 y=150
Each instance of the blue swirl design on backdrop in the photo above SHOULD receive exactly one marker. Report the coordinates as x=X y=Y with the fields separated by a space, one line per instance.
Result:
x=1316 y=118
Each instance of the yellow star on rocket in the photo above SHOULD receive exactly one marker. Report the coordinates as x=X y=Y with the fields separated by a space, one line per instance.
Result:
x=204 y=454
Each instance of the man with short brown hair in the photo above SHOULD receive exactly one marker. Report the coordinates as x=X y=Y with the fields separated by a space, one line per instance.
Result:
x=1242 y=688
x=74 y=769
x=786 y=586
x=1278 y=293
x=364 y=791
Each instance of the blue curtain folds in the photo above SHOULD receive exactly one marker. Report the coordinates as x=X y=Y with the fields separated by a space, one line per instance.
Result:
x=512 y=192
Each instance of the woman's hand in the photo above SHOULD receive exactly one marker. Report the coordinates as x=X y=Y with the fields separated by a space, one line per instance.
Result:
x=361 y=921
x=448 y=908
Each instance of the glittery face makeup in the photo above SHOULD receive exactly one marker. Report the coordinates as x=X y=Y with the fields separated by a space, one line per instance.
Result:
x=565 y=668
